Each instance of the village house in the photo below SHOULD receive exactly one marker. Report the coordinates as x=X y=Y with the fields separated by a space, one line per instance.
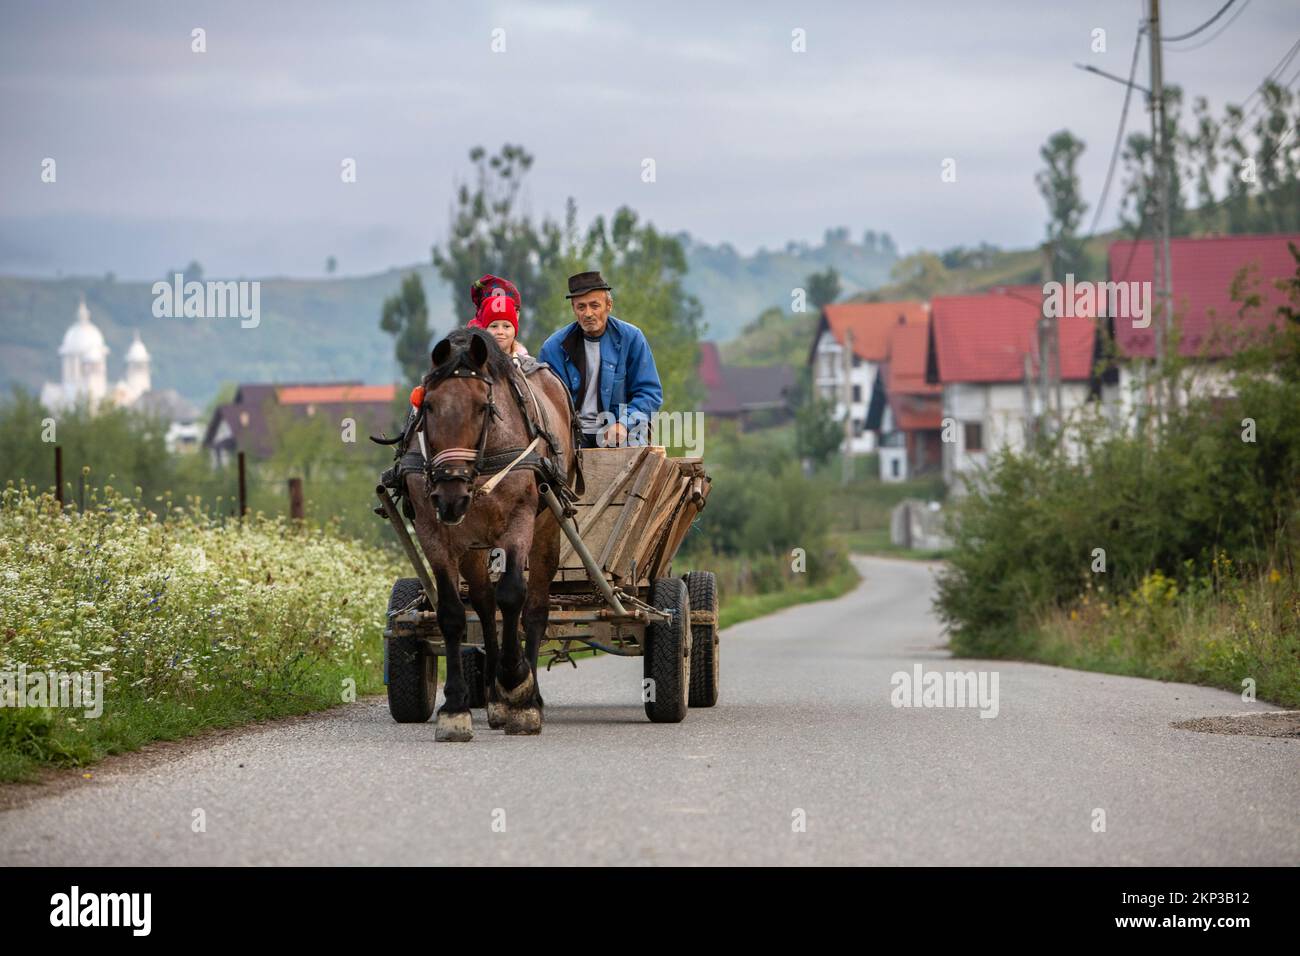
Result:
x=748 y=395
x=844 y=375
x=249 y=422
x=905 y=409
x=983 y=353
x=1207 y=319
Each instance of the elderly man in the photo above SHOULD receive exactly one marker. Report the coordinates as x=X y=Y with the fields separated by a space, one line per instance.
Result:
x=607 y=365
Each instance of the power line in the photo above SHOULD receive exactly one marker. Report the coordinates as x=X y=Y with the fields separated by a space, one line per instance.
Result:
x=1192 y=33
x=1119 y=133
x=1217 y=33
x=1273 y=74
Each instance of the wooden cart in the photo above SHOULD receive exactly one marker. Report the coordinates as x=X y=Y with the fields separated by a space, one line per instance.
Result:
x=613 y=591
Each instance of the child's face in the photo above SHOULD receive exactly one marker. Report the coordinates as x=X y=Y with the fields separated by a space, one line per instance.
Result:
x=503 y=332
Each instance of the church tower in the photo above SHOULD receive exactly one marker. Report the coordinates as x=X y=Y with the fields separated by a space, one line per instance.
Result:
x=137 y=369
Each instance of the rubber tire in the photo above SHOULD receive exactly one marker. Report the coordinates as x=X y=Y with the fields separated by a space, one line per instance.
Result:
x=667 y=653
x=474 y=662
x=412 y=671
x=702 y=587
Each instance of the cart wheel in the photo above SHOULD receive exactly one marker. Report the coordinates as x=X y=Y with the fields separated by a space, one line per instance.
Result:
x=474 y=662
x=412 y=671
x=703 y=589
x=667 y=655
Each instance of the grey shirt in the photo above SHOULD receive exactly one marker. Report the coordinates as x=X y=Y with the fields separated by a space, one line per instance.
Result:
x=589 y=410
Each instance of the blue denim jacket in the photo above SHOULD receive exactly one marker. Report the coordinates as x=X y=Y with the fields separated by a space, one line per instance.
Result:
x=629 y=381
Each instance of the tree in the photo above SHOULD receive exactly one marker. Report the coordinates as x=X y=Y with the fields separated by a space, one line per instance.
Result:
x=646 y=269
x=919 y=276
x=1059 y=186
x=1202 y=150
x=823 y=287
x=331 y=264
x=1138 y=156
x=817 y=434
x=1277 y=162
x=405 y=316
x=488 y=235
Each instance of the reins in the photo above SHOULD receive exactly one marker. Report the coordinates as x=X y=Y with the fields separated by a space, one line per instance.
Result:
x=468 y=464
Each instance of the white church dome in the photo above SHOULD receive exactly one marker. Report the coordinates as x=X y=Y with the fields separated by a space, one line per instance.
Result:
x=83 y=338
x=137 y=352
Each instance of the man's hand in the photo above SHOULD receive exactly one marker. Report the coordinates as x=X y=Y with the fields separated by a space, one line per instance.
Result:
x=615 y=436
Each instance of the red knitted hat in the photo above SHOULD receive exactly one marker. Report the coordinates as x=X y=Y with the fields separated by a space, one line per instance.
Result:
x=493 y=285
x=496 y=308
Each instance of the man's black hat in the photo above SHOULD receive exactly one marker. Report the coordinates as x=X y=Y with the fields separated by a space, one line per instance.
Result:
x=585 y=282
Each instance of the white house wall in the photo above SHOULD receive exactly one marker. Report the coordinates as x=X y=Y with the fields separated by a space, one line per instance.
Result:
x=999 y=410
x=828 y=383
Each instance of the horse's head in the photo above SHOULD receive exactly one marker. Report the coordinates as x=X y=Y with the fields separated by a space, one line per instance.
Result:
x=457 y=412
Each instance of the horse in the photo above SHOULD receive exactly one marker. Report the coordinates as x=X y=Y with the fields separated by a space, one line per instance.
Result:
x=467 y=434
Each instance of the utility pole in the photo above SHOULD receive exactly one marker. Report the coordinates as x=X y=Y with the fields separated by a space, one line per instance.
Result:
x=846 y=471
x=1031 y=432
x=1160 y=200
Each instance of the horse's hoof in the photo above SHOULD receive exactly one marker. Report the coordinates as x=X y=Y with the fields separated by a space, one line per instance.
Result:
x=524 y=721
x=520 y=694
x=496 y=713
x=455 y=728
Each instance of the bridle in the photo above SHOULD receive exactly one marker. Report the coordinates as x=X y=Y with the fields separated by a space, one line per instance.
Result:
x=542 y=455
x=458 y=464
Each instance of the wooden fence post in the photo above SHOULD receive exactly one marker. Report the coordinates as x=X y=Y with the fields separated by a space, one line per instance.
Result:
x=295 y=499
x=243 y=489
x=58 y=475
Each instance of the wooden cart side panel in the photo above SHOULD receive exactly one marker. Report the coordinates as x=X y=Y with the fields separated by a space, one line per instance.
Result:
x=593 y=524
x=604 y=530
x=676 y=534
x=650 y=541
x=633 y=535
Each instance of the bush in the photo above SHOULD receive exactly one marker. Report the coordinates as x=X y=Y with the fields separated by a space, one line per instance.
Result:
x=191 y=621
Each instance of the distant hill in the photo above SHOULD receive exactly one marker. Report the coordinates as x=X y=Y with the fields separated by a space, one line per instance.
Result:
x=329 y=328
x=736 y=289
x=310 y=329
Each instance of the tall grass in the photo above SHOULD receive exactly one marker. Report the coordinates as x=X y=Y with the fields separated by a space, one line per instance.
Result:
x=194 y=621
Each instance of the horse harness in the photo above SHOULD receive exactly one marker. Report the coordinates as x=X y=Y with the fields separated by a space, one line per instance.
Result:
x=467 y=464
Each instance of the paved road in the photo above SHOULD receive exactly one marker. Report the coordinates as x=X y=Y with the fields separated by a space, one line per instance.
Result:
x=805 y=724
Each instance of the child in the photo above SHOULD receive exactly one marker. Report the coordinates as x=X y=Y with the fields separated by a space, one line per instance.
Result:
x=499 y=316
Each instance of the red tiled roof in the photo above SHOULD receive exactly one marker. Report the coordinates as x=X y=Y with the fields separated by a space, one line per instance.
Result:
x=307 y=394
x=1202 y=272
x=872 y=324
x=905 y=371
x=984 y=338
x=251 y=430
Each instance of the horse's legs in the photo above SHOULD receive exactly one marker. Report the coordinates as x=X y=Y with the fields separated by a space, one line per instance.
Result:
x=454 y=720
x=474 y=568
x=542 y=562
x=515 y=681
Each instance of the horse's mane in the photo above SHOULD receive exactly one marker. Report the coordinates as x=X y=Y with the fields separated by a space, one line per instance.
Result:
x=498 y=364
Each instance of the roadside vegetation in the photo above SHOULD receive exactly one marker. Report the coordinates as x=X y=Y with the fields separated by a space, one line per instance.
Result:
x=195 y=621
x=766 y=531
x=1168 y=550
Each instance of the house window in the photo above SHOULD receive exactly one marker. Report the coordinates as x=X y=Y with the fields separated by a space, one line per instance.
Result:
x=895 y=467
x=974 y=436
x=857 y=360
x=857 y=428
x=857 y=393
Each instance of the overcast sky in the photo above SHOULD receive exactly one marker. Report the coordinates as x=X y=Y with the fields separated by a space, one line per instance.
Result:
x=233 y=156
